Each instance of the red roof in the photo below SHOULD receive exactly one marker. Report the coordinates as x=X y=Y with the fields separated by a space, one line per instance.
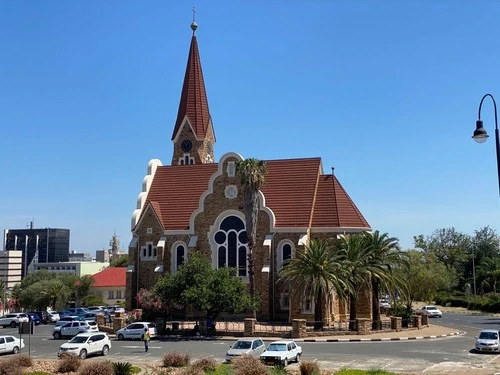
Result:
x=194 y=103
x=112 y=276
x=294 y=189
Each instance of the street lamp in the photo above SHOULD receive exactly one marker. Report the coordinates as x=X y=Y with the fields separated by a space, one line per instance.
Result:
x=480 y=135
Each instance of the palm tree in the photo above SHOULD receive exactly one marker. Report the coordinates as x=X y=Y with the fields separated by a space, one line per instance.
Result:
x=317 y=271
x=385 y=255
x=489 y=272
x=251 y=173
x=55 y=290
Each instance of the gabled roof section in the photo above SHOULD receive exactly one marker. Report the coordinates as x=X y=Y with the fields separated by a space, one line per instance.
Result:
x=194 y=103
x=112 y=276
x=176 y=191
x=334 y=207
x=289 y=190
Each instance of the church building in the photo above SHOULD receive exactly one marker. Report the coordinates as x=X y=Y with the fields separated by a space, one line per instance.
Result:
x=195 y=204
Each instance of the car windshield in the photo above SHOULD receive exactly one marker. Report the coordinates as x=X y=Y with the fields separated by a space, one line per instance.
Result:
x=242 y=345
x=488 y=335
x=431 y=308
x=277 y=347
x=78 y=339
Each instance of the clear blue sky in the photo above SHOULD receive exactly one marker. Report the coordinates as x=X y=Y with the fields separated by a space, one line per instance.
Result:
x=387 y=92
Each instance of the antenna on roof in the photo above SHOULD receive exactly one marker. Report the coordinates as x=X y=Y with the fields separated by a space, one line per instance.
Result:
x=194 y=25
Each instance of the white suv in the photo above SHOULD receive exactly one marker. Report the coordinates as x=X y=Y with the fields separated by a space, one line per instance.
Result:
x=84 y=344
x=70 y=329
x=136 y=330
x=13 y=320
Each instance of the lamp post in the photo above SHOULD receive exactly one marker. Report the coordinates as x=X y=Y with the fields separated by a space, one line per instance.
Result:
x=480 y=135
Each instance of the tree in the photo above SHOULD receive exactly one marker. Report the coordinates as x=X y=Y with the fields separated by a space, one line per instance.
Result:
x=252 y=174
x=120 y=262
x=317 y=271
x=82 y=287
x=488 y=273
x=385 y=254
x=92 y=300
x=56 y=291
x=197 y=285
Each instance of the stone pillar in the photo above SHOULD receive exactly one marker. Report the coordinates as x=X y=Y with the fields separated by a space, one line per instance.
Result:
x=364 y=326
x=425 y=320
x=118 y=321
x=396 y=323
x=417 y=321
x=250 y=326
x=299 y=328
x=264 y=305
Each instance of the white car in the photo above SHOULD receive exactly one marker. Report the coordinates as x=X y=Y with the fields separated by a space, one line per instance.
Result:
x=54 y=316
x=251 y=346
x=10 y=344
x=281 y=353
x=93 y=326
x=12 y=320
x=68 y=318
x=432 y=311
x=134 y=331
x=70 y=329
x=488 y=341
x=84 y=344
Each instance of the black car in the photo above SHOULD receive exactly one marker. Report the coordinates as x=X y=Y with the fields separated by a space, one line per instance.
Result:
x=43 y=315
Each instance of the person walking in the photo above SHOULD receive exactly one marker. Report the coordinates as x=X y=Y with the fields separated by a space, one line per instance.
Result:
x=146 y=339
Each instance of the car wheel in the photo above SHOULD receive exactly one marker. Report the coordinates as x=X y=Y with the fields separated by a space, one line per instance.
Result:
x=105 y=350
x=15 y=350
x=57 y=335
x=4 y=326
x=13 y=324
x=120 y=337
x=83 y=354
x=285 y=362
x=297 y=359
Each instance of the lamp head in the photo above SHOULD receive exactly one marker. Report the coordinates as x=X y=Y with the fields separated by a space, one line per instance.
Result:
x=480 y=134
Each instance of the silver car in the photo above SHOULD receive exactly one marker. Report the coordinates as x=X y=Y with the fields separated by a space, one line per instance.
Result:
x=251 y=346
x=488 y=341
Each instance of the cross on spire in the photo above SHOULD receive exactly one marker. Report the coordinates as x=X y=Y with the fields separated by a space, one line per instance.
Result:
x=194 y=26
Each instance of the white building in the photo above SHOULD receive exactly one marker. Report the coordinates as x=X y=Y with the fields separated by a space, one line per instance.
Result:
x=11 y=264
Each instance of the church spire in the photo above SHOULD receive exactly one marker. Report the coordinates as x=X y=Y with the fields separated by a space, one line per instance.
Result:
x=193 y=134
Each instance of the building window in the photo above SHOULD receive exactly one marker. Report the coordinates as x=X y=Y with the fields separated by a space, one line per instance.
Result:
x=111 y=294
x=284 y=301
x=178 y=255
x=285 y=252
x=118 y=294
x=149 y=252
x=307 y=306
x=232 y=244
x=231 y=169
x=186 y=160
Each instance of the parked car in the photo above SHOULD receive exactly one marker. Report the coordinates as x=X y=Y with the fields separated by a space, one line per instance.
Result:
x=13 y=319
x=93 y=326
x=432 y=311
x=10 y=344
x=134 y=331
x=90 y=316
x=281 y=353
x=70 y=329
x=96 y=308
x=251 y=346
x=384 y=303
x=54 y=316
x=69 y=318
x=487 y=341
x=43 y=315
x=34 y=318
x=84 y=344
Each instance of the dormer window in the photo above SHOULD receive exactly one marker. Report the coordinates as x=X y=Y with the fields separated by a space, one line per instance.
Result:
x=186 y=160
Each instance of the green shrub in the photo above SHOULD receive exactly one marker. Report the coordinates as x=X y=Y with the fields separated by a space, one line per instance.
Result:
x=206 y=364
x=122 y=368
x=248 y=365
x=175 y=359
x=69 y=363
x=278 y=370
x=97 y=368
x=309 y=368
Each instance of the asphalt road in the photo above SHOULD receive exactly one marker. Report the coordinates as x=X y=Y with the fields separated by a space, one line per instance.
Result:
x=430 y=355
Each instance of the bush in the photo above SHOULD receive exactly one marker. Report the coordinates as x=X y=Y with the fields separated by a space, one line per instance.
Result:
x=69 y=363
x=191 y=371
x=175 y=359
x=23 y=360
x=206 y=364
x=10 y=367
x=309 y=368
x=248 y=365
x=122 y=368
x=97 y=368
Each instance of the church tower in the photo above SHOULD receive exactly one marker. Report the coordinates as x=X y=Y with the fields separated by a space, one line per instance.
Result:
x=193 y=135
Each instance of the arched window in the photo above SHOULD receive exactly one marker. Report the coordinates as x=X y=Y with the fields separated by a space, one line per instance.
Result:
x=286 y=251
x=178 y=255
x=149 y=252
x=232 y=244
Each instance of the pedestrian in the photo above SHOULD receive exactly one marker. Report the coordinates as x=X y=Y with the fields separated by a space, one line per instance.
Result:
x=146 y=339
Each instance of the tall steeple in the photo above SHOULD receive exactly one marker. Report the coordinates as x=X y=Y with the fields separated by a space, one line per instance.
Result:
x=193 y=134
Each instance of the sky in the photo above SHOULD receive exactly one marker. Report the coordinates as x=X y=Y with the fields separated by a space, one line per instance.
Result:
x=385 y=91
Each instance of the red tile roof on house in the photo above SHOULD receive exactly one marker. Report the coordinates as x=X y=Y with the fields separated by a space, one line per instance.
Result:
x=194 y=103
x=290 y=189
x=112 y=276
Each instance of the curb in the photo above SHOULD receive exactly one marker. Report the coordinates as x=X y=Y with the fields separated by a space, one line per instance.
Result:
x=457 y=333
